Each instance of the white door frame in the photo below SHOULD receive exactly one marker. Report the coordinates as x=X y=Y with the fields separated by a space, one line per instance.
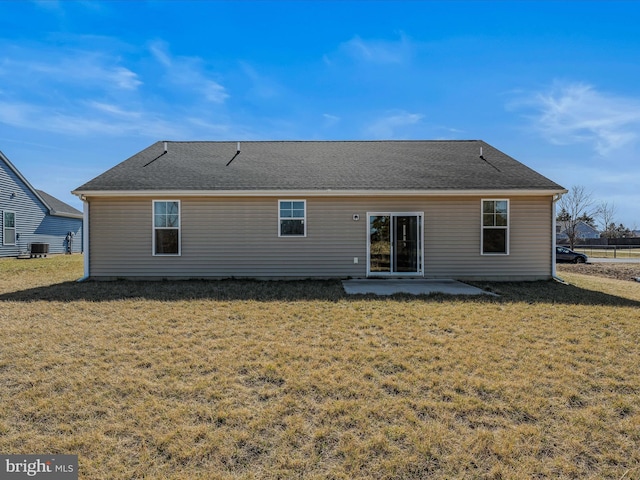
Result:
x=419 y=249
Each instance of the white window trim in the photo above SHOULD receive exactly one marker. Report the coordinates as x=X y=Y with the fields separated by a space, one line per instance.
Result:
x=153 y=229
x=304 y=219
x=4 y=237
x=507 y=227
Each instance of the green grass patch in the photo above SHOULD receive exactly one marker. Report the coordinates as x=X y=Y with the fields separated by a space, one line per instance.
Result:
x=241 y=379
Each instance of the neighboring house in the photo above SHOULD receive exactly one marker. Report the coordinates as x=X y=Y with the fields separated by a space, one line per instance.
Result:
x=323 y=209
x=32 y=216
x=583 y=231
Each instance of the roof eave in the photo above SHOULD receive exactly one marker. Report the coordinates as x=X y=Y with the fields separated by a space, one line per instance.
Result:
x=321 y=193
x=66 y=214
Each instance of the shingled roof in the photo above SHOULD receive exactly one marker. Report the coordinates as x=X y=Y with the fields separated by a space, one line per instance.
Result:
x=319 y=166
x=58 y=207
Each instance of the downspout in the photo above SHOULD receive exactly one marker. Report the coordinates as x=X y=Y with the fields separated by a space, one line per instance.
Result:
x=554 y=275
x=85 y=237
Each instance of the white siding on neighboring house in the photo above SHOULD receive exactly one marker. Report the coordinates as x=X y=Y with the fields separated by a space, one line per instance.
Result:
x=238 y=237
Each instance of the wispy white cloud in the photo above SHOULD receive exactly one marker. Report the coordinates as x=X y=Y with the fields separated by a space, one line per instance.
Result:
x=262 y=86
x=159 y=51
x=188 y=72
x=578 y=113
x=393 y=125
x=123 y=78
x=17 y=114
x=448 y=133
x=67 y=90
x=83 y=93
x=97 y=121
x=113 y=109
x=330 y=120
x=87 y=69
x=214 y=92
x=376 y=51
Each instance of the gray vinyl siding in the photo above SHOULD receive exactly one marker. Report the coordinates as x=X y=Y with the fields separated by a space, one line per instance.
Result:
x=33 y=221
x=238 y=237
x=452 y=240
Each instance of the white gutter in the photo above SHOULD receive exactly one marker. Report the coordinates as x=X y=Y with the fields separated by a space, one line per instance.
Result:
x=85 y=238
x=314 y=193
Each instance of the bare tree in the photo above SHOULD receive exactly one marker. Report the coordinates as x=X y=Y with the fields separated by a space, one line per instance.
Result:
x=575 y=204
x=605 y=214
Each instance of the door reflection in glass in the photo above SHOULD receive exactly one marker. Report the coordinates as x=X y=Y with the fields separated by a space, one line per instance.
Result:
x=394 y=243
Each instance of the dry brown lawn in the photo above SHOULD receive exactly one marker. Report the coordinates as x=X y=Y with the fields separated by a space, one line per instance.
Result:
x=239 y=379
x=620 y=271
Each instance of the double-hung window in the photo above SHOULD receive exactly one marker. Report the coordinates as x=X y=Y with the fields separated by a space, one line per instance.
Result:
x=8 y=228
x=495 y=227
x=166 y=227
x=292 y=218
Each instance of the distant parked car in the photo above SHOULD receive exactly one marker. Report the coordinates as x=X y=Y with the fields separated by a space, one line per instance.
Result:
x=564 y=254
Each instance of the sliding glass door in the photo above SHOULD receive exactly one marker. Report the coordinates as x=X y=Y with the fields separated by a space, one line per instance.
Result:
x=395 y=244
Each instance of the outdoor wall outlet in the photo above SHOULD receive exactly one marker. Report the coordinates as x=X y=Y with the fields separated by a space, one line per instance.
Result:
x=355 y=259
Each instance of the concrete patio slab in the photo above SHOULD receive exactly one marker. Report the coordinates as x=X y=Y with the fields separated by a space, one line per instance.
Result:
x=418 y=286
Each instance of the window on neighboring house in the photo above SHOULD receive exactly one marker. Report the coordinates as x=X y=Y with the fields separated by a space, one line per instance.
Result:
x=291 y=218
x=495 y=227
x=9 y=228
x=166 y=227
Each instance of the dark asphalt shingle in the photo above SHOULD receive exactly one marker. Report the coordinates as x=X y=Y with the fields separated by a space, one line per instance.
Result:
x=321 y=165
x=58 y=207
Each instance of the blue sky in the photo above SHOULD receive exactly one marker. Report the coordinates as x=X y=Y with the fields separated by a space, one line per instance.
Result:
x=84 y=84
